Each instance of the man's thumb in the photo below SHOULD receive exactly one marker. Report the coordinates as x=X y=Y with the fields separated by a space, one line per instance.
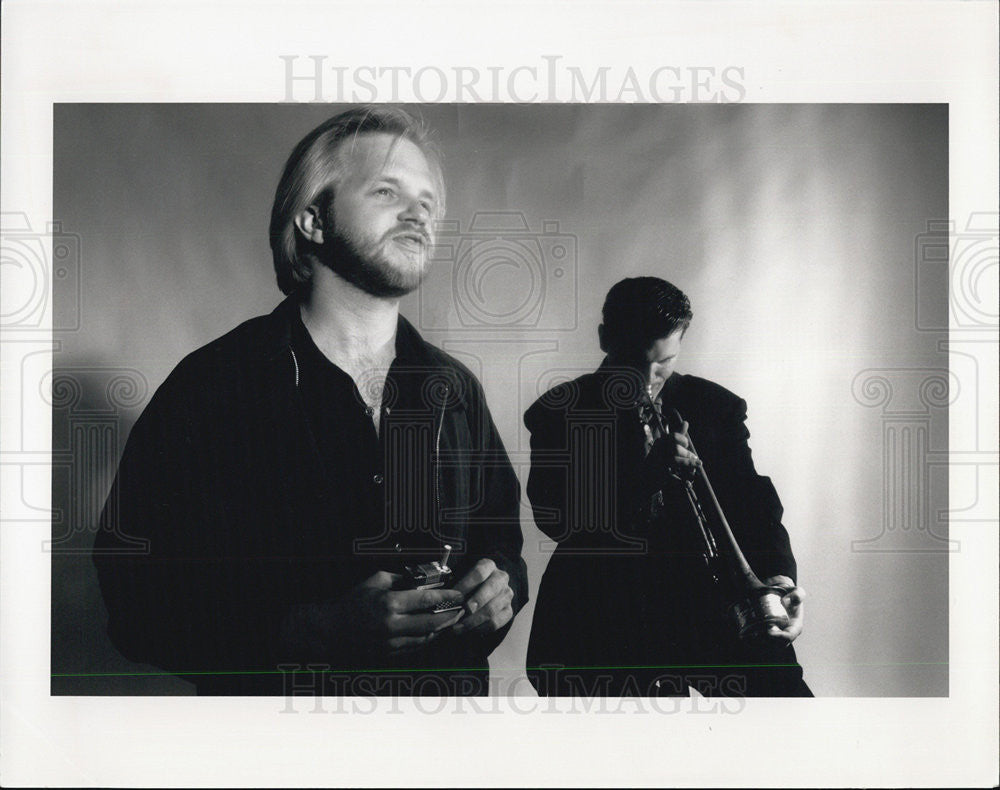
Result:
x=383 y=580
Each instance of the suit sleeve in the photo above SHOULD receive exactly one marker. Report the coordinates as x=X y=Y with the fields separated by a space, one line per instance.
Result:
x=749 y=500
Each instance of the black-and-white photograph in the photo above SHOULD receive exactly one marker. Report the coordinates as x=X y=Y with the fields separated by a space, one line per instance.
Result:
x=491 y=394
x=461 y=400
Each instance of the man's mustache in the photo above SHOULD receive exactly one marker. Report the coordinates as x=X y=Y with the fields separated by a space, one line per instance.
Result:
x=413 y=233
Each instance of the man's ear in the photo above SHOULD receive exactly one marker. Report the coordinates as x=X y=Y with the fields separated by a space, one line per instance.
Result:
x=310 y=224
x=600 y=338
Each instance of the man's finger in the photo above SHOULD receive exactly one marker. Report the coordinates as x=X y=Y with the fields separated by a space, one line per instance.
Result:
x=409 y=601
x=496 y=621
x=778 y=634
x=794 y=597
x=680 y=451
x=480 y=572
x=487 y=591
x=421 y=624
x=383 y=580
x=683 y=440
x=488 y=611
x=787 y=634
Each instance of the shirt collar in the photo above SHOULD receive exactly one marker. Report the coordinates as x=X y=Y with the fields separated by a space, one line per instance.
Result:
x=410 y=346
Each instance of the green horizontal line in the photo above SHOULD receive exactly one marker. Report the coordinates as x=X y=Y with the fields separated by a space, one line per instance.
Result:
x=474 y=669
x=304 y=670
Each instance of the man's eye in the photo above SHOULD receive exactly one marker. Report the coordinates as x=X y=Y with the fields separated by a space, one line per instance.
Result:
x=384 y=192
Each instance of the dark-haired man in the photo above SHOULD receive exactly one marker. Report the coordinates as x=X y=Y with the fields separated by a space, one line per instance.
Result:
x=627 y=605
x=284 y=476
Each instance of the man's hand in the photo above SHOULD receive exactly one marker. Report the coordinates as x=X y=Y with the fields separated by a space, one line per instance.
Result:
x=792 y=600
x=488 y=598
x=373 y=616
x=673 y=450
x=395 y=621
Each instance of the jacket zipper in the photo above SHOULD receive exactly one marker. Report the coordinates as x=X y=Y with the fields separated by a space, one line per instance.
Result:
x=437 y=457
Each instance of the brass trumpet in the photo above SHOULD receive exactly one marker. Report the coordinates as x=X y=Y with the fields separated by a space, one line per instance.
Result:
x=752 y=605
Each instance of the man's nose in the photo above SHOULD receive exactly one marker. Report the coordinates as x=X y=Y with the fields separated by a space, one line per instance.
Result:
x=416 y=212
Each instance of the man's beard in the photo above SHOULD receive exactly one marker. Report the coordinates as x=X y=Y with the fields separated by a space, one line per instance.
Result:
x=366 y=265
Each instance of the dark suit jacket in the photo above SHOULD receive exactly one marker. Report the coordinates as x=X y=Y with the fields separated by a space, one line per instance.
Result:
x=626 y=594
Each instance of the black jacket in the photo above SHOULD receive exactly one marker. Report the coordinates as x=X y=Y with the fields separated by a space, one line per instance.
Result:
x=224 y=515
x=626 y=593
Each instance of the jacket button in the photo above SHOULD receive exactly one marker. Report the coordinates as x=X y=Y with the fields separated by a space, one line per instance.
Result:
x=377 y=479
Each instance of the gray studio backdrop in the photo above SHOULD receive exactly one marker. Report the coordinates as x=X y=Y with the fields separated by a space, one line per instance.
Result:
x=798 y=231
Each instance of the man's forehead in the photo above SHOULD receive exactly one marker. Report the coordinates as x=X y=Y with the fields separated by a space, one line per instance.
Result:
x=379 y=153
x=666 y=344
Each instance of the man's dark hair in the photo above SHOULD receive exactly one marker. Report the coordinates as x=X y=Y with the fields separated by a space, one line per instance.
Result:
x=317 y=165
x=638 y=311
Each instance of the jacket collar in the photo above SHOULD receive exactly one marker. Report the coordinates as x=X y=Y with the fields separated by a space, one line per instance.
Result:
x=410 y=346
x=279 y=329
